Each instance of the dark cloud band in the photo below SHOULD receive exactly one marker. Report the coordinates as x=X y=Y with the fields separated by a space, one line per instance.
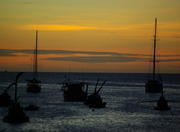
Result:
x=89 y=56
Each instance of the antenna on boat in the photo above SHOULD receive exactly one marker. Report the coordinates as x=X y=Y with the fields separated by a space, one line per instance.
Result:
x=96 y=85
x=101 y=86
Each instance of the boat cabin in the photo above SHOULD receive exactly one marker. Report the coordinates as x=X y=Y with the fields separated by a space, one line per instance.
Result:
x=75 y=91
x=33 y=86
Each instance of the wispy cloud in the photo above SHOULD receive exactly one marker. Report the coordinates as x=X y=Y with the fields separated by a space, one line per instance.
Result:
x=97 y=59
x=5 y=52
x=169 y=60
x=13 y=52
x=88 y=56
x=30 y=51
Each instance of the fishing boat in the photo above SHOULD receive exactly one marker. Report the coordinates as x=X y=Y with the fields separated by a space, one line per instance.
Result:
x=34 y=85
x=15 y=112
x=74 y=91
x=154 y=85
x=94 y=100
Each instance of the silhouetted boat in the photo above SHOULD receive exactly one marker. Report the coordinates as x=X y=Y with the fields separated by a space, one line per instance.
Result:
x=74 y=91
x=5 y=98
x=34 y=85
x=162 y=103
x=15 y=112
x=154 y=85
x=94 y=100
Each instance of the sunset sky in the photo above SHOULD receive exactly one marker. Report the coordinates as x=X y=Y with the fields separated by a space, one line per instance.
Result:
x=89 y=35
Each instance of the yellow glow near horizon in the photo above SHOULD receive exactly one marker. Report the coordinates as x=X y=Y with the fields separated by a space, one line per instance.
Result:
x=50 y=27
x=46 y=27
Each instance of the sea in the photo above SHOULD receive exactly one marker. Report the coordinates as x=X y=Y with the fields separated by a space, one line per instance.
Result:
x=128 y=109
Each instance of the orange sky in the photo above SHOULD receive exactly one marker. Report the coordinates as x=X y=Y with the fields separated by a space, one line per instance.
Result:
x=119 y=27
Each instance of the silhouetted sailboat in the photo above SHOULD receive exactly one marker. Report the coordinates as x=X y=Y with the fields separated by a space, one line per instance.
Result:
x=34 y=85
x=154 y=85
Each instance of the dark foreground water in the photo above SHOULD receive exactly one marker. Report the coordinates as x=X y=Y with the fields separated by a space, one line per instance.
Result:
x=128 y=107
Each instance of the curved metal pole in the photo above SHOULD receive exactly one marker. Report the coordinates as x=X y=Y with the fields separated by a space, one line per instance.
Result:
x=17 y=77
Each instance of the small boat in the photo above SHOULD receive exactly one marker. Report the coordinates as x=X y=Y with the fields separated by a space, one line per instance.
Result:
x=15 y=112
x=162 y=103
x=154 y=85
x=5 y=98
x=94 y=100
x=75 y=91
x=34 y=85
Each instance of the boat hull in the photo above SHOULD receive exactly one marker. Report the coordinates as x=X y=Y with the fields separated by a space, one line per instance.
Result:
x=95 y=101
x=33 y=86
x=162 y=104
x=5 y=100
x=16 y=115
x=74 y=92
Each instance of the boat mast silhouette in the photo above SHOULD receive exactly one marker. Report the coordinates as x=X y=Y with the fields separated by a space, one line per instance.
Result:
x=154 y=86
x=35 y=68
x=34 y=84
x=154 y=56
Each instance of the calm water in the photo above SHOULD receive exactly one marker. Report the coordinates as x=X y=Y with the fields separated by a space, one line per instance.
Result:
x=127 y=109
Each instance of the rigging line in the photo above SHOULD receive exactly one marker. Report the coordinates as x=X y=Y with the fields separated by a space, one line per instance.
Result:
x=158 y=57
x=150 y=60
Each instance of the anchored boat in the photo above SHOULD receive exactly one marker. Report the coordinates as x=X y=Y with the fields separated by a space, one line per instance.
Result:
x=75 y=91
x=162 y=103
x=154 y=85
x=94 y=100
x=34 y=85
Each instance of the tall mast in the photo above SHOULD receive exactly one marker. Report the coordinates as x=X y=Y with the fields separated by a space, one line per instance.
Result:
x=154 y=56
x=35 y=56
